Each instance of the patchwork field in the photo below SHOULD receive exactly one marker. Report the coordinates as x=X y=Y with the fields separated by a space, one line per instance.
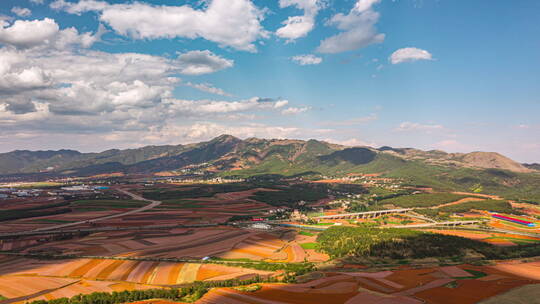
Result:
x=176 y=243
x=501 y=239
x=451 y=284
x=142 y=256
x=34 y=279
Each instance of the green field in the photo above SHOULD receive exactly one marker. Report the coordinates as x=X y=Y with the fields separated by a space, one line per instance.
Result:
x=86 y=204
x=289 y=196
x=194 y=191
x=487 y=205
x=309 y=245
x=37 y=211
x=52 y=221
x=423 y=199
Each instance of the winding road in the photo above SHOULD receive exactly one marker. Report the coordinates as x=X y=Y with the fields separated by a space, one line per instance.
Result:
x=134 y=196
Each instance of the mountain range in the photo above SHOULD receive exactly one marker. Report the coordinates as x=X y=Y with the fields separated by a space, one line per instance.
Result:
x=230 y=153
x=227 y=155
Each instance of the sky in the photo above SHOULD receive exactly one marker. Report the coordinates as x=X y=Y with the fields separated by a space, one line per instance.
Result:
x=90 y=75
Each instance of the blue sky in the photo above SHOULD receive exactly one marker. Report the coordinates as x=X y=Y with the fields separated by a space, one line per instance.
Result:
x=459 y=76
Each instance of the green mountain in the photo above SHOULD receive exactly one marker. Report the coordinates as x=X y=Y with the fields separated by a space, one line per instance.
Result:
x=229 y=156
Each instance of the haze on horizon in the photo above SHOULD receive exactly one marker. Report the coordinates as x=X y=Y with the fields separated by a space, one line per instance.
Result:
x=91 y=75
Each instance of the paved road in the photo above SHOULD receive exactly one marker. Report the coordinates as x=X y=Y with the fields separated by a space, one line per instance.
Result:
x=108 y=217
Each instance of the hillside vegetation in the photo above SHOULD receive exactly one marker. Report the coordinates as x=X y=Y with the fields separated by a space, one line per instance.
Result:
x=499 y=206
x=404 y=243
x=423 y=200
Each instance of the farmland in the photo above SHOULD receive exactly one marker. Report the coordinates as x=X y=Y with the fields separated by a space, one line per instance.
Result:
x=464 y=283
x=203 y=234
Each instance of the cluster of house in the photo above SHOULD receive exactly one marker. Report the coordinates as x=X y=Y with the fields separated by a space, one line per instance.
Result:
x=6 y=193
x=215 y=180
x=13 y=192
x=368 y=180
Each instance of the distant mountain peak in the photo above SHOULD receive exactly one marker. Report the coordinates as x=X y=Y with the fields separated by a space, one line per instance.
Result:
x=226 y=137
x=493 y=160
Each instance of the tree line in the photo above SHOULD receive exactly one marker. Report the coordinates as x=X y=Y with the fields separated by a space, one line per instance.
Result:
x=187 y=294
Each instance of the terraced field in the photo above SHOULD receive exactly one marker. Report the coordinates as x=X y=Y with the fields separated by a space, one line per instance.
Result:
x=34 y=279
x=465 y=284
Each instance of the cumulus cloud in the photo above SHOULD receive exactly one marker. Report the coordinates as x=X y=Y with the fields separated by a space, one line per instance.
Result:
x=202 y=62
x=209 y=107
x=92 y=82
x=21 y=11
x=44 y=33
x=208 y=88
x=26 y=34
x=299 y=26
x=308 y=59
x=37 y=1
x=357 y=29
x=93 y=92
x=20 y=106
x=294 y=110
x=4 y=20
x=229 y=23
x=59 y=92
x=409 y=54
x=280 y=103
x=414 y=126
x=364 y=5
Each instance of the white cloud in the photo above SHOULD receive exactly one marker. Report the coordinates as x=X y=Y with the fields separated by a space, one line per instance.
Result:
x=409 y=54
x=4 y=20
x=44 y=33
x=208 y=88
x=413 y=126
x=93 y=92
x=37 y=1
x=364 y=5
x=230 y=23
x=26 y=79
x=308 y=59
x=299 y=26
x=26 y=34
x=352 y=142
x=280 y=103
x=53 y=86
x=21 y=11
x=205 y=130
x=202 y=62
x=203 y=108
x=294 y=110
x=358 y=29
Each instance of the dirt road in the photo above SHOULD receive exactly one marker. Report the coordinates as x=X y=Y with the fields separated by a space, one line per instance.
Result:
x=108 y=217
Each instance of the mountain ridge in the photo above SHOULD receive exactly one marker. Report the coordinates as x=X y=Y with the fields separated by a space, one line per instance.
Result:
x=227 y=152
